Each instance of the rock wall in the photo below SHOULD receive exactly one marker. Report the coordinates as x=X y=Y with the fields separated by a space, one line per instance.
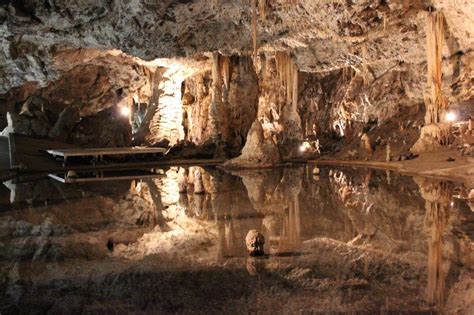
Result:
x=237 y=107
x=85 y=100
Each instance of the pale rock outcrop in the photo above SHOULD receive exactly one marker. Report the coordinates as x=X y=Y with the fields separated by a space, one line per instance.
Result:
x=258 y=151
x=433 y=137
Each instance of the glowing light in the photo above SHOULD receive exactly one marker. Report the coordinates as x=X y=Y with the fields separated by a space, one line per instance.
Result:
x=305 y=146
x=451 y=117
x=452 y=203
x=125 y=111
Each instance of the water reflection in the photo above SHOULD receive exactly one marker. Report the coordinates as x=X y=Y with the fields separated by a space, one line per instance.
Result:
x=438 y=198
x=358 y=239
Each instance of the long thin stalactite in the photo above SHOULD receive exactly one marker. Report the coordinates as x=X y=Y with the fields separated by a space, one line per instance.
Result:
x=288 y=74
x=434 y=46
x=254 y=28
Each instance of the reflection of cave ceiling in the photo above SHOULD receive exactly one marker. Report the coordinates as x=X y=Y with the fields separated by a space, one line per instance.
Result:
x=323 y=34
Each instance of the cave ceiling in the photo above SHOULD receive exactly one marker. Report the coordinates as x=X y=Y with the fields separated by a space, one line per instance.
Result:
x=42 y=39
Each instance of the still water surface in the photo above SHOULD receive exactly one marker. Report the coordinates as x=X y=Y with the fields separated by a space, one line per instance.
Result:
x=338 y=240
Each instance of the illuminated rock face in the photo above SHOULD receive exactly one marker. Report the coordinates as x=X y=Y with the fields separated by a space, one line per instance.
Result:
x=359 y=65
x=259 y=151
x=238 y=107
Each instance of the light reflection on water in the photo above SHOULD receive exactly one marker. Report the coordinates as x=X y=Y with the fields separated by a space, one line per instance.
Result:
x=356 y=239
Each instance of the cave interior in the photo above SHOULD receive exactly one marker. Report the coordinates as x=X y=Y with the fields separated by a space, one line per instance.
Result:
x=246 y=86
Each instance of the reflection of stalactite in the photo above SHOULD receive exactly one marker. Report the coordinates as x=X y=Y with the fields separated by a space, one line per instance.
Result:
x=220 y=227
x=157 y=203
x=230 y=244
x=290 y=237
x=434 y=47
x=438 y=196
x=436 y=219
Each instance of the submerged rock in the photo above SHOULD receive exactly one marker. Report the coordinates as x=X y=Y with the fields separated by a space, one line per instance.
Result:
x=255 y=242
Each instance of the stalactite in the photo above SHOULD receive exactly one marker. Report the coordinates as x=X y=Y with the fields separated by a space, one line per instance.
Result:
x=217 y=121
x=254 y=28
x=288 y=74
x=262 y=8
x=216 y=70
x=224 y=69
x=434 y=45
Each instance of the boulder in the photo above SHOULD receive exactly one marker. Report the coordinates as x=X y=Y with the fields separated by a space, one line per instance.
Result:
x=255 y=241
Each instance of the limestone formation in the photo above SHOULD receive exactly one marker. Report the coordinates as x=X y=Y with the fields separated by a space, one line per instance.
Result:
x=432 y=137
x=201 y=71
x=259 y=151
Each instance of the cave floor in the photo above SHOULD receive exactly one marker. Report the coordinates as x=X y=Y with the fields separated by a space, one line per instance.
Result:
x=430 y=164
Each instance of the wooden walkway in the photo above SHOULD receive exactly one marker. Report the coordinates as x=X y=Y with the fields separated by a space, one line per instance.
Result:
x=70 y=177
x=99 y=153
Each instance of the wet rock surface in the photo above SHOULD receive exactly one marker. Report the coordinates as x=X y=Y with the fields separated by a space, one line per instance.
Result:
x=341 y=240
